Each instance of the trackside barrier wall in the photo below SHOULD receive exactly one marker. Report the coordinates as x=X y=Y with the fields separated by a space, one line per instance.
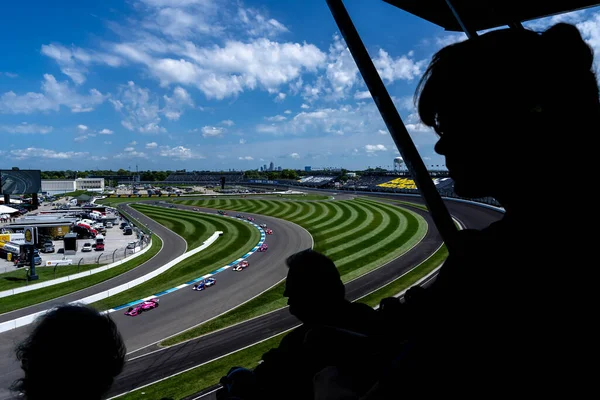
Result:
x=53 y=282
x=28 y=319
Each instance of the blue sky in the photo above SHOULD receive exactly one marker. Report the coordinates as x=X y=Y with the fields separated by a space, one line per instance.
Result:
x=209 y=84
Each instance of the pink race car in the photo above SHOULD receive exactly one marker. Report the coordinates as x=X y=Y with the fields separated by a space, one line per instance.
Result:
x=141 y=307
x=263 y=247
x=241 y=266
x=269 y=231
x=250 y=219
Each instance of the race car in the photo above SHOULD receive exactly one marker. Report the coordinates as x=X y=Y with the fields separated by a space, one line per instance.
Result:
x=250 y=218
x=195 y=209
x=263 y=247
x=222 y=212
x=241 y=266
x=208 y=282
x=264 y=226
x=269 y=231
x=239 y=216
x=143 y=306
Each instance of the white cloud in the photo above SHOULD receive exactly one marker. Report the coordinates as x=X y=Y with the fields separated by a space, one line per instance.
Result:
x=106 y=132
x=98 y=158
x=227 y=122
x=34 y=152
x=342 y=72
x=179 y=152
x=140 y=109
x=176 y=104
x=73 y=62
x=82 y=128
x=242 y=141
x=54 y=94
x=257 y=24
x=382 y=132
x=371 y=148
x=246 y=158
x=401 y=68
x=295 y=156
x=107 y=142
x=212 y=131
x=226 y=71
x=287 y=112
x=151 y=145
x=362 y=95
x=129 y=149
x=9 y=74
x=25 y=128
x=305 y=106
x=131 y=154
x=276 y=118
x=133 y=143
x=280 y=97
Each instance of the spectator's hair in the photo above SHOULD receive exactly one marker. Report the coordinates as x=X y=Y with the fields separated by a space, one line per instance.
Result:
x=74 y=352
x=517 y=75
x=317 y=272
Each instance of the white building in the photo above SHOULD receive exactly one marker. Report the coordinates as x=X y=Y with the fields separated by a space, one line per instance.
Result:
x=59 y=186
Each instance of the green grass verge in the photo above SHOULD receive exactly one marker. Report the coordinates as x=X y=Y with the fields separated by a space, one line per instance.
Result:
x=26 y=299
x=387 y=232
x=17 y=278
x=268 y=301
x=238 y=238
x=407 y=280
x=194 y=380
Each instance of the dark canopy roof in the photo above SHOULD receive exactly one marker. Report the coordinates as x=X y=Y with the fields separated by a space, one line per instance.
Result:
x=485 y=14
x=84 y=197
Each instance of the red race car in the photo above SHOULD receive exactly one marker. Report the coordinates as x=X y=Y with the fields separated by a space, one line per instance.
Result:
x=263 y=247
x=241 y=266
x=269 y=231
x=141 y=307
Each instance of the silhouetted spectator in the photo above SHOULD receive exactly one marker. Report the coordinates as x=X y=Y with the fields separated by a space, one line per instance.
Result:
x=315 y=295
x=74 y=352
x=505 y=315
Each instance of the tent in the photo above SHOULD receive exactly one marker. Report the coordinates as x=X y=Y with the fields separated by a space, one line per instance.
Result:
x=7 y=210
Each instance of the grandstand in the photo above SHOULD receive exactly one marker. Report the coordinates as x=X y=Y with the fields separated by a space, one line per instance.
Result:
x=204 y=178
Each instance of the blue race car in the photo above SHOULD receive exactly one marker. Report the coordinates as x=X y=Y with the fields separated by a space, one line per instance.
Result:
x=208 y=282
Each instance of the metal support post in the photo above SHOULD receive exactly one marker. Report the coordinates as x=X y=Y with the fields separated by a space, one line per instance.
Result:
x=437 y=208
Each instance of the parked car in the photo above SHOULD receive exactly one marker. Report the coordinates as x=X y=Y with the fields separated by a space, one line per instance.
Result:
x=86 y=247
x=48 y=248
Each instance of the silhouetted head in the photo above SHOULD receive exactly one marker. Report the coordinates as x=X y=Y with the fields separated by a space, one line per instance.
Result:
x=74 y=352
x=509 y=106
x=313 y=285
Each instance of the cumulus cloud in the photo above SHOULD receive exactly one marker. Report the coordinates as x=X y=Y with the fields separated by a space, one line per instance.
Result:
x=242 y=141
x=151 y=145
x=295 y=156
x=82 y=128
x=257 y=24
x=140 y=109
x=54 y=95
x=175 y=105
x=106 y=132
x=34 y=152
x=73 y=62
x=129 y=149
x=276 y=118
x=227 y=122
x=246 y=158
x=212 y=131
x=25 y=128
x=280 y=97
x=371 y=148
x=131 y=154
x=179 y=153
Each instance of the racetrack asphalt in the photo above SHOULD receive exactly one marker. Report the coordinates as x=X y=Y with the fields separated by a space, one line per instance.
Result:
x=183 y=308
x=158 y=363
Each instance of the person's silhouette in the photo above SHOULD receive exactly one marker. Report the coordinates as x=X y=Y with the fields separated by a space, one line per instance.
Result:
x=502 y=315
x=74 y=352
x=316 y=296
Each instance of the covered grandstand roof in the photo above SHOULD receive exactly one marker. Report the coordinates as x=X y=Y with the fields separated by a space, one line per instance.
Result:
x=487 y=14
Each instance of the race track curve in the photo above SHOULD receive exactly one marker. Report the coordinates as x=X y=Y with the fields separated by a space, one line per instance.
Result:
x=163 y=362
